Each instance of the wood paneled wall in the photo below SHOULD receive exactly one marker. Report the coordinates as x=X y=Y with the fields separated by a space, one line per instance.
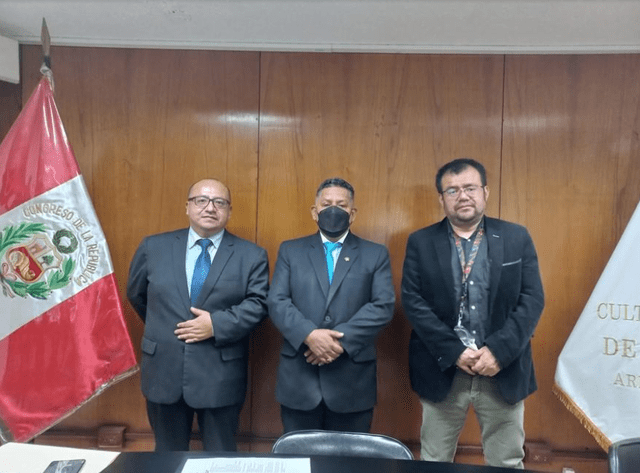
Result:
x=570 y=173
x=371 y=120
x=558 y=135
x=10 y=105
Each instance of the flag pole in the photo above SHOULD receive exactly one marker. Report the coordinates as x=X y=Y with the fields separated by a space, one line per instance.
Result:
x=45 y=69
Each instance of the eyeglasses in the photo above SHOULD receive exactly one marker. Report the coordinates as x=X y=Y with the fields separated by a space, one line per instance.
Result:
x=454 y=193
x=202 y=201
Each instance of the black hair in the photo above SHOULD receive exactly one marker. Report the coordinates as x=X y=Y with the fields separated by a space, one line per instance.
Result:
x=336 y=182
x=456 y=167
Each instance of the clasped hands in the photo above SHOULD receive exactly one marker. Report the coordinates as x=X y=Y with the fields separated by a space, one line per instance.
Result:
x=197 y=329
x=324 y=346
x=480 y=362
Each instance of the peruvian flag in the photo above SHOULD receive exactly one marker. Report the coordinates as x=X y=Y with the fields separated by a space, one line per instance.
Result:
x=63 y=339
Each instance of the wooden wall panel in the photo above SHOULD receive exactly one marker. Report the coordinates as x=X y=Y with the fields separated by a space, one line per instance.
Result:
x=571 y=174
x=385 y=123
x=10 y=106
x=144 y=125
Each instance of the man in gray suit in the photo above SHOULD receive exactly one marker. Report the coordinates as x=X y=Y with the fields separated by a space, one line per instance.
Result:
x=331 y=295
x=200 y=291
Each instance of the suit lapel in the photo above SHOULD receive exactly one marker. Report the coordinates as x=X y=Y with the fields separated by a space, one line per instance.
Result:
x=179 y=255
x=224 y=252
x=348 y=256
x=495 y=243
x=443 y=252
x=319 y=262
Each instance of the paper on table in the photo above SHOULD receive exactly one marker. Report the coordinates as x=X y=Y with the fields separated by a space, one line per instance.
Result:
x=30 y=458
x=247 y=464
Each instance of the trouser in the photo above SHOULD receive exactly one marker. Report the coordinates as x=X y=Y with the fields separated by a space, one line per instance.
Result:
x=501 y=423
x=172 y=423
x=323 y=418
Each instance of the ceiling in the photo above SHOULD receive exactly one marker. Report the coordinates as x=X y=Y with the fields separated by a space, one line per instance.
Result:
x=412 y=26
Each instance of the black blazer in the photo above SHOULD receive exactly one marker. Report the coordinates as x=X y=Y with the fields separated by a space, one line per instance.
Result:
x=516 y=301
x=211 y=373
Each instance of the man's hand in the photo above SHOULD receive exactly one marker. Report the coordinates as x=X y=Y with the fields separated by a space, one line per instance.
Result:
x=313 y=359
x=467 y=360
x=324 y=346
x=486 y=364
x=197 y=329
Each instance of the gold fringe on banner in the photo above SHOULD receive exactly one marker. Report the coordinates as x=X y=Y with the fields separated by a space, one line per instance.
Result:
x=572 y=407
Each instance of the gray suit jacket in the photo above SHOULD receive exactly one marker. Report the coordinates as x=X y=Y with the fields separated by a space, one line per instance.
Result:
x=516 y=300
x=211 y=373
x=359 y=303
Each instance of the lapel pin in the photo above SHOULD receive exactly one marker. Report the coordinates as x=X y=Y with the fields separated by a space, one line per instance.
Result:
x=346 y=258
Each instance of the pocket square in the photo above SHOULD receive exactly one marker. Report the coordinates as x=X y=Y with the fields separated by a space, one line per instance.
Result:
x=512 y=262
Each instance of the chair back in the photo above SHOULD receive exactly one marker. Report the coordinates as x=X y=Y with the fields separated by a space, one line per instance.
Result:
x=624 y=456
x=327 y=442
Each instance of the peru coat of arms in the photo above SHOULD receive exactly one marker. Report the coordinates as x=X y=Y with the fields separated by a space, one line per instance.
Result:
x=35 y=259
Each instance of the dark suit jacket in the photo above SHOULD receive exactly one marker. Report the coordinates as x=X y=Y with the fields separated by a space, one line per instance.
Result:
x=358 y=303
x=211 y=373
x=515 y=304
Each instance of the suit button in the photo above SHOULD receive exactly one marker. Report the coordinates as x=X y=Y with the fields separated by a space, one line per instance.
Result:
x=327 y=318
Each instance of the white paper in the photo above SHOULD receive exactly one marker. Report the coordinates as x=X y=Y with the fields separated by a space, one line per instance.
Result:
x=247 y=465
x=30 y=458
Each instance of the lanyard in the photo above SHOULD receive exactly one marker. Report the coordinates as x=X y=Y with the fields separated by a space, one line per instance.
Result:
x=466 y=266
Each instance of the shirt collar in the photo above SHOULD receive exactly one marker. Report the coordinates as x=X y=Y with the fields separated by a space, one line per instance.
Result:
x=452 y=233
x=340 y=240
x=194 y=237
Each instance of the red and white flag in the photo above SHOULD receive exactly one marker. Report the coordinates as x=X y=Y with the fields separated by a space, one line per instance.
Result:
x=63 y=339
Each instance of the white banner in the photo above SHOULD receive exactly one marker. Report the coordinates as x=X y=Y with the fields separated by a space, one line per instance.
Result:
x=598 y=372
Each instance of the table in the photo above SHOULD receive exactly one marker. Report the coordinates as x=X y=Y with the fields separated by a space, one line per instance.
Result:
x=172 y=462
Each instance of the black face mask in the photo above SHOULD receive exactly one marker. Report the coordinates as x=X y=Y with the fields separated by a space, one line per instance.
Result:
x=333 y=221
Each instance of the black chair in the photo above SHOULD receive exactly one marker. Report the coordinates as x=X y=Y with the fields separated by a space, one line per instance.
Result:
x=327 y=442
x=624 y=456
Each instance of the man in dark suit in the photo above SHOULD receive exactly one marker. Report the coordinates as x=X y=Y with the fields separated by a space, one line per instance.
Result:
x=471 y=289
x=200 y=291
x=330 y=297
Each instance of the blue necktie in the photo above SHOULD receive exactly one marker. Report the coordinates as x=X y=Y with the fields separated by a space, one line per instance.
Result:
x=203 y=263
x=329 y=246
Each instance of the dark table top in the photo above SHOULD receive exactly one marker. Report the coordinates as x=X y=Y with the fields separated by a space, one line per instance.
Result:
x=172 y=462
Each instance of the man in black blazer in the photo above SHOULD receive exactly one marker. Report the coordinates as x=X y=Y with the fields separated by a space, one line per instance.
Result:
x=200 y=291
x=471 y=289
x=331 y=295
